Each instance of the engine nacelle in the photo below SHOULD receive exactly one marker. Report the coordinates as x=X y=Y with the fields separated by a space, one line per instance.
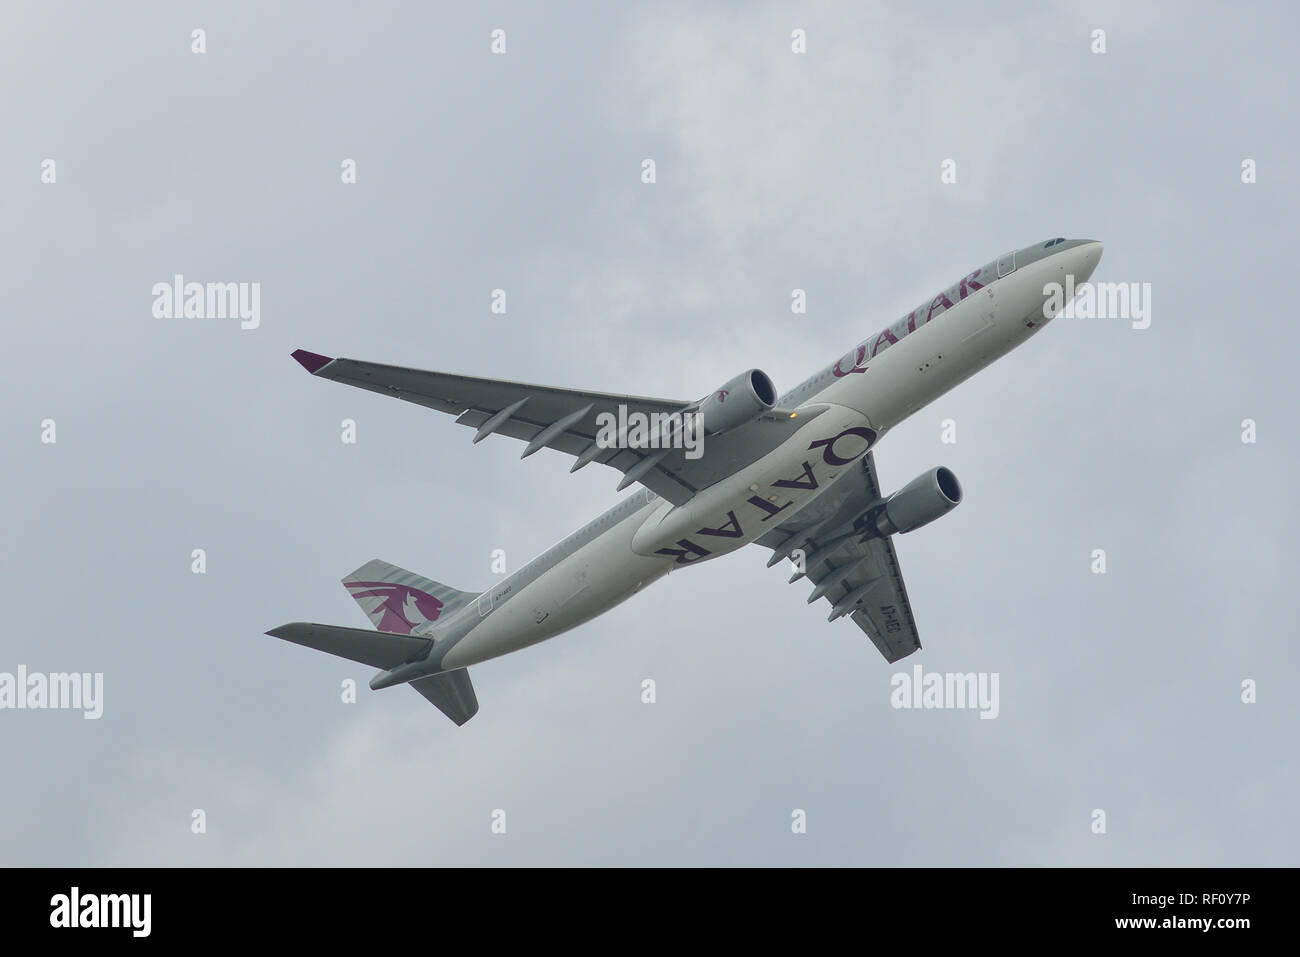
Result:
x=919 y=502
x=741 y=400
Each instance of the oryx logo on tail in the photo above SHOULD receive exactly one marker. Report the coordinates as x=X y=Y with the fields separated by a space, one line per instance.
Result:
x=401 y=608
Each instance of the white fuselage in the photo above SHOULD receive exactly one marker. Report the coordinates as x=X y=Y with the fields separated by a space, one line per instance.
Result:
x=863 y=395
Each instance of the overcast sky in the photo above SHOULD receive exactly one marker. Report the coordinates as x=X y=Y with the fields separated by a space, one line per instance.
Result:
x=821 y=171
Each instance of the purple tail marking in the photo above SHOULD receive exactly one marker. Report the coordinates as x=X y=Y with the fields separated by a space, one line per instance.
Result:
x=310 y=361
x=394 y=601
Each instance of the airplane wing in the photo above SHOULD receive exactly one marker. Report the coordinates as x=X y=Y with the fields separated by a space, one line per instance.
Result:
x=565 y=419
x=857 y=573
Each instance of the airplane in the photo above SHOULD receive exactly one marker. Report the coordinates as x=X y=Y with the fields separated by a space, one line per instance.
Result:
x=793 y=473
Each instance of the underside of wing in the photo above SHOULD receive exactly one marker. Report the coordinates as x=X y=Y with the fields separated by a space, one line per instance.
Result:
x=568 y=421
x=850 y=565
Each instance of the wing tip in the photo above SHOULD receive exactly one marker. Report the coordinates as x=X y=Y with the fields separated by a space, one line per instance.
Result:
x=283 y=631
x=311 y=361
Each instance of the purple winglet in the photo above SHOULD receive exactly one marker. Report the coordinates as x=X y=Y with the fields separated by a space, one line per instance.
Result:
x=310 y=361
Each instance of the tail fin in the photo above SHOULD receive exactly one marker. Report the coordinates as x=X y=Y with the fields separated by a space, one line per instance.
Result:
x=400 y=601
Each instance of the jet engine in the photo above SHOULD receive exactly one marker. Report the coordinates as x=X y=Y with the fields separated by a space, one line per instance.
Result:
x=919 y=502
x=739 y=401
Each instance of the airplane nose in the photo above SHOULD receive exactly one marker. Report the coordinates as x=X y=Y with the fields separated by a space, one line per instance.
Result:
x=1086 y=258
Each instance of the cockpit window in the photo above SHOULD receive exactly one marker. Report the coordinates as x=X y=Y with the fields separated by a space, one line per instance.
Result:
x=1052 y=242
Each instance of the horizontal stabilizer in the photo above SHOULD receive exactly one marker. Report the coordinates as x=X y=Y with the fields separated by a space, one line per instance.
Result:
x=451 y=692
x=379 y=649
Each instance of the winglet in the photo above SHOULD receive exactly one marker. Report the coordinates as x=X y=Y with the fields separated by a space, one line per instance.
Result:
x=310 y=361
